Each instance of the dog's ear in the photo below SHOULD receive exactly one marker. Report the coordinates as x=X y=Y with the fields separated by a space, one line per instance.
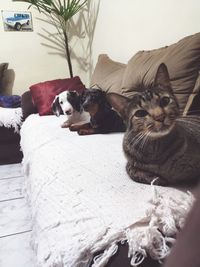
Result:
x=55 y=107
x=118 y=102
x=73 y=93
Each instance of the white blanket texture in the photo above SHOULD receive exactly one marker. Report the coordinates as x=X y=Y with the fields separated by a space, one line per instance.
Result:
x=82 y=200
x=11 y=117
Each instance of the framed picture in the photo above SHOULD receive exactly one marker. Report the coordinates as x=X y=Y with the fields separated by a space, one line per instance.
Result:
x=17 y=21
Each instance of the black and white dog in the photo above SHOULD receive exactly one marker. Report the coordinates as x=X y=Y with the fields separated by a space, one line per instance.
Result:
x=69 y=104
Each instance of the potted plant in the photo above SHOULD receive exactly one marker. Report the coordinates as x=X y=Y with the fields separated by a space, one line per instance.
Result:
x=60 y=13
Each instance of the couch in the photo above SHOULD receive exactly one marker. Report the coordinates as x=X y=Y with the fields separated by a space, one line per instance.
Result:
x=84 y=206
x=9 y=146
x=9 y=138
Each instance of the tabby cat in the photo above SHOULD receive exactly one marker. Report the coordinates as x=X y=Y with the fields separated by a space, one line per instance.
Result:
x=160 y=145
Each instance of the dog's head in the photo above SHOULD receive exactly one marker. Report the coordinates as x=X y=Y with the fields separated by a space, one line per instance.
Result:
x=66 y=103
x=92 y=100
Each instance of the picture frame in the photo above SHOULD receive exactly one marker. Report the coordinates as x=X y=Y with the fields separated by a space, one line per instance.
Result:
x=20 y=21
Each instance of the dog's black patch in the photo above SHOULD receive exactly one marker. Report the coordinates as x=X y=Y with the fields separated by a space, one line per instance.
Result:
x=75 y=100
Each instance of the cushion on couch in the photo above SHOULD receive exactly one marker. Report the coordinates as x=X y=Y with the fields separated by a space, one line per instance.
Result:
x=108 y=74
x=182 y=60
x=3 y=67
x=7 y=81
x=27 y=105
x=44 y=93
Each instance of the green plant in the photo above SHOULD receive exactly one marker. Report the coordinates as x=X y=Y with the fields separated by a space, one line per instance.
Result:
x=60 y=12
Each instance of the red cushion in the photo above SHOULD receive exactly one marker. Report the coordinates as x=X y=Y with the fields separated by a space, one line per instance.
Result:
x=44 y=93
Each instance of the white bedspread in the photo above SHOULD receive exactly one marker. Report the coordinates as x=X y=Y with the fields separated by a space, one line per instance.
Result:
x=82 y=199
x=11 y=117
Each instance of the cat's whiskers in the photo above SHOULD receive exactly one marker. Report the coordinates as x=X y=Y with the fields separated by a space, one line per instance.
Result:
x=141 y=140
x=194 y=124
x=153 y=134
x=137 y=139
x=145 y=140
x=189 y=119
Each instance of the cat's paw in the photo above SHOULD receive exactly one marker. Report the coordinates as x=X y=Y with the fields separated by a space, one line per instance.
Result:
x=141 y=176
x=159 y=181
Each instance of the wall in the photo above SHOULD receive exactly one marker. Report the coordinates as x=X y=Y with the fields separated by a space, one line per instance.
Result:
x=126 y=26
x=120 y=29
x=32 y=61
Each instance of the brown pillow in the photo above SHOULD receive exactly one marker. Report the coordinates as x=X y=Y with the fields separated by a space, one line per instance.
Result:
x=182 y=60
x=3 y=67
x=108 y=74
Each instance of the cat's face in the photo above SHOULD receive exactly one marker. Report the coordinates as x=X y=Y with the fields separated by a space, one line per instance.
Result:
x=152 y=112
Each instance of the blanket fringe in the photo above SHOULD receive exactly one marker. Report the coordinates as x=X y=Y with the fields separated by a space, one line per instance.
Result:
x=156 y=236
x=102 y=259
x=11 y=117
x=166 y=217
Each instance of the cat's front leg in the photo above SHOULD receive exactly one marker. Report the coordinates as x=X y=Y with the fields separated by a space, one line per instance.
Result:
x=142 y=176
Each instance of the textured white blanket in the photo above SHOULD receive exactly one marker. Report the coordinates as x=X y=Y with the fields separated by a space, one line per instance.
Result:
x=82 y=199
x=11 y=117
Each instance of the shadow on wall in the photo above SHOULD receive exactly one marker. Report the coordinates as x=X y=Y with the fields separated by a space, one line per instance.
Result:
x=81 y=30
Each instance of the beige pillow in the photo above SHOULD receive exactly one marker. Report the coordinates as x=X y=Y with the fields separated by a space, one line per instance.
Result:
x=182 y=60
x=108 y=74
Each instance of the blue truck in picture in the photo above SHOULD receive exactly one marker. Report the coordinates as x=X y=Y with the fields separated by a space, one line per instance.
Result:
x=18 y=20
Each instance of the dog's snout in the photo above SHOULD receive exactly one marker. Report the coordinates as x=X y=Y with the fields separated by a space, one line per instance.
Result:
x=68 y=112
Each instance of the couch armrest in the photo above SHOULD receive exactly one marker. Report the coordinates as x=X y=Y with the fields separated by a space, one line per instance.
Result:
x=27 y=105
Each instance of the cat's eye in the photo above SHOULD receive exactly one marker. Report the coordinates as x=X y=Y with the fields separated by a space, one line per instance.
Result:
x=141 y=113
x=164 y=101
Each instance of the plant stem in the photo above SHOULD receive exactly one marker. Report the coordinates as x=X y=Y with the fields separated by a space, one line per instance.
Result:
x=68 y=54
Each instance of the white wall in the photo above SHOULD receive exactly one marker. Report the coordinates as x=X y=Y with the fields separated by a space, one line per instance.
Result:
x=31 y=61
x=126 y=26
x=123 y=27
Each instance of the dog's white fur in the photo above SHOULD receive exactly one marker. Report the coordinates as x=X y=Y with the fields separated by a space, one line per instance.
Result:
x=73 y=116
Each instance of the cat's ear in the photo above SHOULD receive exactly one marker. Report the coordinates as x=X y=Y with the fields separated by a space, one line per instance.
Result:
x=118 y=102
x=162 y=80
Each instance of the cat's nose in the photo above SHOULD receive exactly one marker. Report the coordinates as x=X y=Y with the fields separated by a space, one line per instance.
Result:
x=160 y=117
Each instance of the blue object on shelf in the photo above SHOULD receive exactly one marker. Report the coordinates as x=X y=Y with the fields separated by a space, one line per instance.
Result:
x=11 y=101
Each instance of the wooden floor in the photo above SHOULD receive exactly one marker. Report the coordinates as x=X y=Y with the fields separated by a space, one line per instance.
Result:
x=15 y=221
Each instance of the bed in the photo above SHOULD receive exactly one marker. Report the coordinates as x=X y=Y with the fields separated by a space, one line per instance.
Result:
x=82 y=200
